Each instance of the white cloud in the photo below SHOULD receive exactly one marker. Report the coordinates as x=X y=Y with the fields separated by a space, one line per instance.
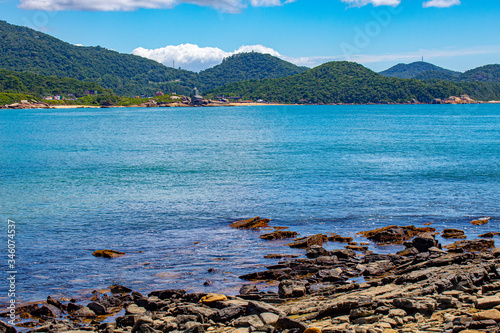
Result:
x=376 y=3
x=230 y=6
x=441 y=3
x=195 y=58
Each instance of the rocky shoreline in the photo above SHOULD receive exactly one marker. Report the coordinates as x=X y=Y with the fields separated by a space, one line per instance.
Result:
x=425 y=287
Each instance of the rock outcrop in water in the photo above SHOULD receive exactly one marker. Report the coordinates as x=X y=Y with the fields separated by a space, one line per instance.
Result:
x=421 y=289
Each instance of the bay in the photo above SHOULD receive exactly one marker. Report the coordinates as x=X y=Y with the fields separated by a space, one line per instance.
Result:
x=163 y=184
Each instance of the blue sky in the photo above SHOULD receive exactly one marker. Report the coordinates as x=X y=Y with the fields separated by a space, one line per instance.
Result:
x=196 y=34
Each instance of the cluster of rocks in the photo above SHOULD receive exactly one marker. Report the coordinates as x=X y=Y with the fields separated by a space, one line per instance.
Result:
x=24 y=104
x=425 y=287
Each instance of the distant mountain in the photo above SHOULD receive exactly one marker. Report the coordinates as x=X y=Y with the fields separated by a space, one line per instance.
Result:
x=488 y=73
x=435 y=75
x=340 y=82
x=247 y=66
x=39 y=85
x=27 y=50
x=410 y=71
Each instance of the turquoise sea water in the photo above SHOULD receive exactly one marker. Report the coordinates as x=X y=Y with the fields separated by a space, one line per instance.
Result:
x=152 y=182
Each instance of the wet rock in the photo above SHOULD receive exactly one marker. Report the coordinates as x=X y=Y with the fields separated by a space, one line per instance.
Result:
x=52 y=301
x=315 y=251
x=46 y=310
x=394 y=234
x=108 y=253
x=356 y=248
x=4 y=328
x=305 y=242
x=98 y=308
x=292 y=289
x=337 y=238
x=481 y=221
x=490 y=235
x=424 y=242
x=117 y=289
x=168 y=294
x=279 y=235
x=280 y=256
x=453 y=233
x=272 y=274
x=252 y=223
x=248 y=289
x=312 y=330
x=471 y=245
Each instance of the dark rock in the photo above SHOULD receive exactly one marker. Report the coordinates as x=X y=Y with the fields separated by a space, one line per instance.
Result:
x=117 y=289
x=453 y=233
x=248 y=289
x=292 y=289
x=272 y=274
x=394 y=234
x=481 y=324
x=490 y=235
x=360 y=312
x=305 y=242
x=46 y=310
x=279 y=235
x=71 y=307
x=315 y=251
x=52 y=301
x=143 y=325
x=168 y=293
x=424 y=242
x=252 y=223
x=4 y=328
x=288 y=323
x=108 y=253
x=98 y=308
x=280 y=256
x=208 y=283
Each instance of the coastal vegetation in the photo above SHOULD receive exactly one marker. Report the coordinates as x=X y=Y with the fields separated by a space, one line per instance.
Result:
x=340 y=82
x=38 y=66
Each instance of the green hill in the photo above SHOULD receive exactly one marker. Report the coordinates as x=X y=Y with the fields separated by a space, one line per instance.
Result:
x=435 y=75
x=27 y=50
x=410 y=71
x=39 y=85
x=247 y=66
x=340 y=82
x=488 y=73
